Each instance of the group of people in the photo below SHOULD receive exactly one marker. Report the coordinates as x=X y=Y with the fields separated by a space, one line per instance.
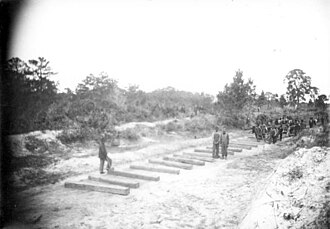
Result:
x=270 y=132
x=220 y=139
x=274 y=130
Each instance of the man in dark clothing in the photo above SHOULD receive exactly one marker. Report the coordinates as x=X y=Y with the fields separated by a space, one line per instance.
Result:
x=258 y=133
x=263 y=131
x=302 y=124
x=216 y=142
x=296 y=129
x=103 y=155
x=224 y=141
x=280 y=132
x=272 y=135
x=311 y=122
x=254 y=131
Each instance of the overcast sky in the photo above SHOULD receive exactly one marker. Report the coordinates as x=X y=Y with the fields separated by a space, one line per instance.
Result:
x=190 y=45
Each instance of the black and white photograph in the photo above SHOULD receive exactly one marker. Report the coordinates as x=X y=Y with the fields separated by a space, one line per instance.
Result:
x=165 y=114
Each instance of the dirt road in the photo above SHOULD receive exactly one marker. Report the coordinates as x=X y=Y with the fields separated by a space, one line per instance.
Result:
x=216 y=195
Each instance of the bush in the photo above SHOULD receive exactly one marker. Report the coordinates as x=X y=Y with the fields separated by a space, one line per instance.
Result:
x=313 y=137
x=322 y=138
x=172 y=126
x=233 y=120
x=199 y=124
x=69 y=136
x=130 y=134
x=295 y=173
x=34 y=144
x=262 y=118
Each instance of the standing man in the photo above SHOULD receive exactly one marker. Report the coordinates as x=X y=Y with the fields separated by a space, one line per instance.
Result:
x=224 y=141
x=272 y=135
x=280 y=131
x=103 y=155
x=311 y=122
x=216 y=142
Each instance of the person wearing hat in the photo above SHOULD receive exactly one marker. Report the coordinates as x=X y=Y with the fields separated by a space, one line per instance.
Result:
x=216 y=142
x=103 y=155
x=272 y=135
x=224 y=141
x=263 y=131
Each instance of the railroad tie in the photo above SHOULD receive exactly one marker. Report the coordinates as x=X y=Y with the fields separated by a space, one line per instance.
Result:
x=155 y=169
x=185 y=160
x=201 y=155
x=116 y=180
x=210 y=151
x=195 y=157
x=97 y=186
x=142 y=176
x=234 y=149
x=171 y=164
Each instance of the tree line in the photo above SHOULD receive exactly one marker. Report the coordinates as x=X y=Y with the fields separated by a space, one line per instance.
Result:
x=32 y=101
x=239 y=100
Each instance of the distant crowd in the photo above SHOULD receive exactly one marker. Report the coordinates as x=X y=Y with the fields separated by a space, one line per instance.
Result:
x=275 y=130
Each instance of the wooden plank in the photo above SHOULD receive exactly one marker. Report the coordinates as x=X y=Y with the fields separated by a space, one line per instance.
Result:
x=203 y=151
x=229 y=148
x=170 y=164
x=250 y=142
x=236 y=150
x=195 y=157
x=251 y=137
x=210 y=151
x=241 y=146
x=148 y=177
x=204 y=155
x=98 y=187
x=184 y=160
x=155 y=169
x=115 y=180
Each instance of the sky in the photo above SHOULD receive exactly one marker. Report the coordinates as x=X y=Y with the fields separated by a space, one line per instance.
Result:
x=192 y=45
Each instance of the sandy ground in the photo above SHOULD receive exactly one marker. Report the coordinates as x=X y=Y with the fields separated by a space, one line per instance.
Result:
x=297 y=194
x=226 y=194
x=217 y=195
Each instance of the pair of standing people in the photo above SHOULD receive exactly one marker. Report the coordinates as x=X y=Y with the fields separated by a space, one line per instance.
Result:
x=220 y=139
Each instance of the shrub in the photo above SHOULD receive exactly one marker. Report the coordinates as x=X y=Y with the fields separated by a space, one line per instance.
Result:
x=172 y=126
x=68 y=136
x=322 y=138
x=262 y=118
x=295 y=173
x=234 y=120
x=313 y=137
x=130 y=134
x=199 y=124
x=34 y=144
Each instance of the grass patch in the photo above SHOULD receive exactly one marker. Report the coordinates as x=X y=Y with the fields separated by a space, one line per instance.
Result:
x=32 y=161
x=34 y=144
x=294 y=174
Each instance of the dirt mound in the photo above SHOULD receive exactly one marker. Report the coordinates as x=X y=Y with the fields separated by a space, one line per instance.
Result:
x=297 y=195
x=31 y=154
